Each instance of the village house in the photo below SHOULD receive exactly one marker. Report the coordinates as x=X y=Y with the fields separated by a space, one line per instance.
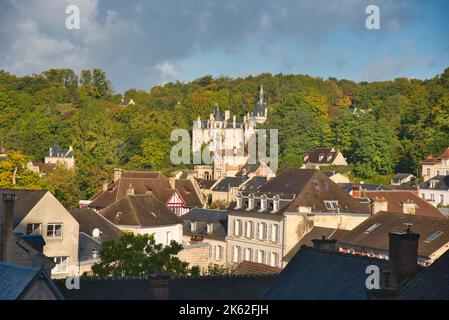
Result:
x=94 y=229
x=40 y=218
x=264 y=225
x=145 y=214
x=370 y=238
x=401 y=179
x=400 y=201
x=127 y=102
x=323 y=157
x=179 y=195
x=432 y=167
x=56 y=154
x=26 y=250
x=435 y=190
x=210 y=227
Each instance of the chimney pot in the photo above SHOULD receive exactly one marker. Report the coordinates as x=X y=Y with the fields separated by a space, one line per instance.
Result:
x=117 y=174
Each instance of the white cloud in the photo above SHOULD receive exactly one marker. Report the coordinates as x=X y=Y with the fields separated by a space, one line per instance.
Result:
x=168 y=72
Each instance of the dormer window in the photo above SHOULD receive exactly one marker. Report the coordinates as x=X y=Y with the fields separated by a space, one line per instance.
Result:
x=276 y=204
x=329 y=157
x=239 y=202
x=263 y=203
x=321 y=157
x=250 y=202
x=433 y=183
x=193 y=226
x=306 y=157
x=210 y=228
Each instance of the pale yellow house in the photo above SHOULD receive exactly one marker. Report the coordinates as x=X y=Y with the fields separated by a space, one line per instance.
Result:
x=39 y=213
x=432 y=167
x=265 y=225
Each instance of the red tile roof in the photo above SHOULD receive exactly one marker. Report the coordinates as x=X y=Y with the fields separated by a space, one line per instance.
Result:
x=396 y=198
x=253 y=268
x=445 y=154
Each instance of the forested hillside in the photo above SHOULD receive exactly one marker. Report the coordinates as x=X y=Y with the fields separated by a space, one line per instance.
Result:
x=397 y=123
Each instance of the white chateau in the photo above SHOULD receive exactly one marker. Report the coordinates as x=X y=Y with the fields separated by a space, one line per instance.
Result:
x=226 y=139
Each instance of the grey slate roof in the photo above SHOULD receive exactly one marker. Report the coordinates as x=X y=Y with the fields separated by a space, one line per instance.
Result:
x=140 y=210
x=315 y=274
x=57 y=151
x=24 y=202
x=207 y=215
x=36 y=241
x=431 y=283
x=218 y=115
x=259 y=109
x=86 y=245
x=218 y=218
x=399 y=176
x=89 y=220
x=441 y=184
x=365 y=186
x=228 y=182
x=254 y=184
x=230 y=287
x=14 y=279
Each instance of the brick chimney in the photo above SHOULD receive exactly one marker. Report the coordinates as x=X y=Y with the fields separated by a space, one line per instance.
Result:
x=357 y=191
x=324 y=244
x=379 y=204
x=117 y=174
x=6 y=221
x=403 y=256
x=408 y=207
x=130 y=190
x=403 y=265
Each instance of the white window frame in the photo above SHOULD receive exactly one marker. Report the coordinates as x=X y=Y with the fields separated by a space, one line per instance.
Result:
x=53 y=227
x=61 y=264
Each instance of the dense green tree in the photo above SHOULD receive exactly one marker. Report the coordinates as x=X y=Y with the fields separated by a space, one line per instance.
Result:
x=140 y=255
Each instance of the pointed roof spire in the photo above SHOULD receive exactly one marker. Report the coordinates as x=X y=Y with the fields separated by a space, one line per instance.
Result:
x=261 y=94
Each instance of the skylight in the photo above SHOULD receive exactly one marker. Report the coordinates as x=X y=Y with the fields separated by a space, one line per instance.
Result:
x=433 y=236
x=372 y=228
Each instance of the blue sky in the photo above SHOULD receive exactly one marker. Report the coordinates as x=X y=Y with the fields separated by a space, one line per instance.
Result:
x=145 y=43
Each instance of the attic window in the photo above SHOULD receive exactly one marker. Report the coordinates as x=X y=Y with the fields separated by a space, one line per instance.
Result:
x=433 y=236
x=153 y=214
x=118 y=215
x=188 y=191
x=372 y=228
x=193 y=226
x=331 y=205
x=329 y=157
x=316 y=184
